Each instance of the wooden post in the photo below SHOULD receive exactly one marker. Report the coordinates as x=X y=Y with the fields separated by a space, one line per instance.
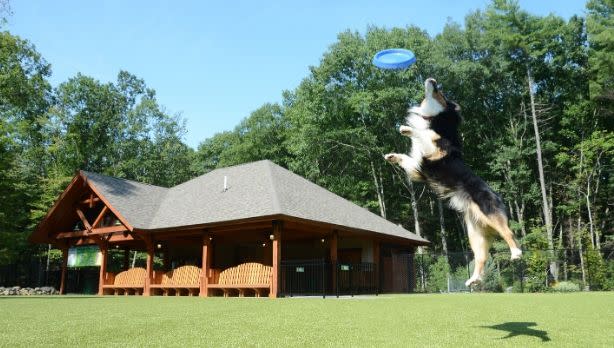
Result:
x=104 y=250
x=64 y=265
x=150 y=257
x=333 y=260
x=206 y=265
x=277 y=232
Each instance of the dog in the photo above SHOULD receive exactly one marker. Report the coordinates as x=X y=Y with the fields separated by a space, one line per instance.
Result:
x=436 y=159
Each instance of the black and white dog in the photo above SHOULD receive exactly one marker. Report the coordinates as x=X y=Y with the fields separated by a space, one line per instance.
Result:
x=436 y=159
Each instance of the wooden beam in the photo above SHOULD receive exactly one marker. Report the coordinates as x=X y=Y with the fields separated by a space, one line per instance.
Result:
x=206 y=265
x=266 y=225
x=185 y=233
x=150 y=257
x=106 y=203
x=104 y=250
x=95 y=231
x=115 y=238
x=41 y=232
x=64 y=266
x=90 y=201
x=100 y=216
x=86 y=223
x=277 y=235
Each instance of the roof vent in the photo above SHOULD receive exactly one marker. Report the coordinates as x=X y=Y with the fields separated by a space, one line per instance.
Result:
x=225 y=183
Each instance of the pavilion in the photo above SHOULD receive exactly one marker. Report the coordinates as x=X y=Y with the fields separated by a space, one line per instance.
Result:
x=255 y=212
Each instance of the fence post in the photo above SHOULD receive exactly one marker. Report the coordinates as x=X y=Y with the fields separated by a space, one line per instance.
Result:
x=377 y=280
x=351 y=285
x=287 y=270
x=422 y=275
x=588 y=270
x=522 y=275
x=323 y=278
x=336 y=267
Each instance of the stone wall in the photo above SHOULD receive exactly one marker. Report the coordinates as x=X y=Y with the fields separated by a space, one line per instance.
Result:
x=17 y=291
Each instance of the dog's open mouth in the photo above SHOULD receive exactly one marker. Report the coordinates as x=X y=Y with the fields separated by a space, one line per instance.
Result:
x=433 y=92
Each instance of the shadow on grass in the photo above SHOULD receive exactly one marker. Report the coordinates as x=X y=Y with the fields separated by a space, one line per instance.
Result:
x=520 y=329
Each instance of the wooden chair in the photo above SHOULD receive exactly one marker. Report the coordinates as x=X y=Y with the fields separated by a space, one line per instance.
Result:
x=129 y=280
x=181 y=278
x=251 y=276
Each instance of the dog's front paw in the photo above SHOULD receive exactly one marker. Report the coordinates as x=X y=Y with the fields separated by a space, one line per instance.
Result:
x=392 y=158
x=405 y=130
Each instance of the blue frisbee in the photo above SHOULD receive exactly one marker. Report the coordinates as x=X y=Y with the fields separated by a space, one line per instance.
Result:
x=394 y=59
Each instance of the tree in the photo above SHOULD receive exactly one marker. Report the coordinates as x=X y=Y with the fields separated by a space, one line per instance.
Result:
x=599 y=24
x=24 y=98
x=117 y=129
x=260 y=136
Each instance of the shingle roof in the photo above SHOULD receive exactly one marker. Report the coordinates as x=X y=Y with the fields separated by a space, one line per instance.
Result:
x=255 y=189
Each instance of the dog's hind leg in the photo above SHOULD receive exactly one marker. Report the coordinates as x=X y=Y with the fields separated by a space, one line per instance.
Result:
x=479 y=245
x=497 y=221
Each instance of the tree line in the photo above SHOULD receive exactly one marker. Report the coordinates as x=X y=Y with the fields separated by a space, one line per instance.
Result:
x=536 y=94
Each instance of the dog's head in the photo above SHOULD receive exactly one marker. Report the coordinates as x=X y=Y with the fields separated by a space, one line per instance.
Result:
x=433 y=105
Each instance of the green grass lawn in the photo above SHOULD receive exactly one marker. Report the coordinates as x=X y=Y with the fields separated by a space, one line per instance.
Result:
x=459 y=320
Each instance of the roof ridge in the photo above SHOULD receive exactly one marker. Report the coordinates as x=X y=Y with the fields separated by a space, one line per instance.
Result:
x=86 y=172
x=218 y=169
x=276 y=200
x=159 y=202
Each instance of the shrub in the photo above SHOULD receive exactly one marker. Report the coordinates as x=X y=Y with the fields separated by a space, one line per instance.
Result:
x=438 y=275
x=566 y=287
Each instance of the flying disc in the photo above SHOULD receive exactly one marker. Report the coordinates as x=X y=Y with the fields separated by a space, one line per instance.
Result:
x=394 y=58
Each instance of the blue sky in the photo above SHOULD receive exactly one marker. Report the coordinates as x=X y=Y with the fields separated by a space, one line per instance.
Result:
x=214 y=61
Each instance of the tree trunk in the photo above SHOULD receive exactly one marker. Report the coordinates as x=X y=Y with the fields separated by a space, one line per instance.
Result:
x=48 y=252
x=442 y=227
x=581 y=252
x=540 y=165
x=590 y=215
x=414 y=208
x=379 y=189
x=542 y=182
x=444 y=243
x=520 y=215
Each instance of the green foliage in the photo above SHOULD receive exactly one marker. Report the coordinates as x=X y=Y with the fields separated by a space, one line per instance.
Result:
x=535 y=271
x=47 y=135
x=438 y=273
x=536 y=239
x=597 y=271
x=335 y=126
x=599 y=24
x=566 y=287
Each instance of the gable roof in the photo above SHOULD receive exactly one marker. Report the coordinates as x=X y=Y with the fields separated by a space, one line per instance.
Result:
x=257 y=189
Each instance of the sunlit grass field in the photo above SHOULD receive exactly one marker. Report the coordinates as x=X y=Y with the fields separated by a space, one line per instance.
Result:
x=454 y=320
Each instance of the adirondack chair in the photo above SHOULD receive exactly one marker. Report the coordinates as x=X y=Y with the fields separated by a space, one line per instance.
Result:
x=179 y=279
x=131 y=280
x=250 y=276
